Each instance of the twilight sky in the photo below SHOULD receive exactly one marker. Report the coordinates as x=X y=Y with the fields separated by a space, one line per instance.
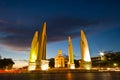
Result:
x=19 y=19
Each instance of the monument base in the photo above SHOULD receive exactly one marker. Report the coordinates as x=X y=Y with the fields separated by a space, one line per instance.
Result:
x=32 y=66
x=72 y=66
x=38 y=65
x=85 y=65
x=44 y=64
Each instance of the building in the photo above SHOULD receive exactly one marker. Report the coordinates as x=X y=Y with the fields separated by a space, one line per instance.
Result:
x=96 y=61
x=107 y=59
x=59 y=60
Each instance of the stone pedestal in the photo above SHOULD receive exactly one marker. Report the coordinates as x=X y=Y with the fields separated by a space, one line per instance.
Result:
x=72 y=66
x=44 y=64
x=85 y=65
x=32 y=66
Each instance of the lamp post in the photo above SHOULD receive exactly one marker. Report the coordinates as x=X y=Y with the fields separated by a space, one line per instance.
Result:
x=102 y=58
x=115 y=64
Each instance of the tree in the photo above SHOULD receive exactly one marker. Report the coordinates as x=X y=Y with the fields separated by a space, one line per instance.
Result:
x=6 y=63
x=51 y=63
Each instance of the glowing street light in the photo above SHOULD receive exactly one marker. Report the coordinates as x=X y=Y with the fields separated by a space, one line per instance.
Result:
x=101 y=54
x=115 y=64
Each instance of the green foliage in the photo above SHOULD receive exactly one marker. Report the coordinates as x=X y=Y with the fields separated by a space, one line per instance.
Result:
x=77 y=64
x=51 y=63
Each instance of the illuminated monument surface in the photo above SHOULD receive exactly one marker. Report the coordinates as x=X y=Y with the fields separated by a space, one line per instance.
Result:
x=38 y=50
x=38 y=60
x=85 y=54
x=33 y=52
x=71 y=64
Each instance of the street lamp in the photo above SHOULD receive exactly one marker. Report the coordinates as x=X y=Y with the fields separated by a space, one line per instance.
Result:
x=102 y=59
x=102 y=56
x=115 y=64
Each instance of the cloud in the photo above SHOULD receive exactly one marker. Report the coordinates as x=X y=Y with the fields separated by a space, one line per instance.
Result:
x=14 y=36
x=19 y=36
x=2 y=21
x=60 y=28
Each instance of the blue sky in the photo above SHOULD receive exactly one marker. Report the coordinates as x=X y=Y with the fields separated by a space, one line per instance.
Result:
x=19 y=19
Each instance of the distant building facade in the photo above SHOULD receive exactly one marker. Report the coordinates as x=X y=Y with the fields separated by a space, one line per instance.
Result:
x=59 y=60
x=109 y=59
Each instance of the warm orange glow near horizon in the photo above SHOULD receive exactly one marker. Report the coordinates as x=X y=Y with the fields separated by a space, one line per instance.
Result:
x=20 y=64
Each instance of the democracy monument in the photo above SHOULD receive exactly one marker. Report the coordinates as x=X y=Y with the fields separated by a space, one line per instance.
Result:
x=37 y=59
x=71 y=64
x=38 y=50
x=85 y=54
